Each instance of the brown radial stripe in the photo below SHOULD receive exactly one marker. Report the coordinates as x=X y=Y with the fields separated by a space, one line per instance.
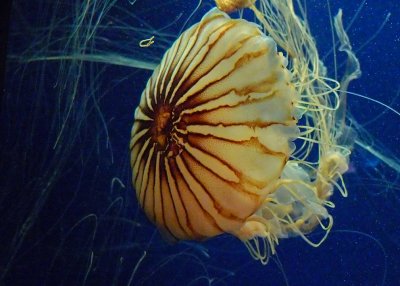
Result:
x=138 y=150
x=233 y=192
x=149 y=104
x=255 y=143
x=250 y=124
x=149 y=100
x=191 y=80
x=158 y=209
x=203 y=158
x=252 y=144
x=208 y=226
x=145 y=110
x=200 y=196
x=170 y=213
x=194 y=102
x=175 y=65
x=156 y=86
x=179 y=209
x=241 y=177
x=240 y=114
x=199 y=117
x=162 y=213
x=216 y=205
x=242 y=60
x=168 y=65
x=138 y=168
x=184 y=81
x=138 y=182
x=137 y=136
x=179 y=52
x=145 y=179
x=148 y=197
x=196 y=214
x=142 y=177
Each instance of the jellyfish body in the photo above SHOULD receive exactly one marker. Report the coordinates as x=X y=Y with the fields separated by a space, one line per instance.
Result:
x=212 y=131
x=212 y=143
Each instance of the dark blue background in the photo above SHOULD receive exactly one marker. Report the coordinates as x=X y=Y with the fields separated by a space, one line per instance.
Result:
x=85 y=229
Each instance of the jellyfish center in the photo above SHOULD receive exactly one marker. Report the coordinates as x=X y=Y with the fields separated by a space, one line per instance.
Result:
x=162 y=126
x=163 y=133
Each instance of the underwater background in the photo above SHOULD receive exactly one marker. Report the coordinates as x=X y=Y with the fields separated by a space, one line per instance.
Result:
x=68 y=213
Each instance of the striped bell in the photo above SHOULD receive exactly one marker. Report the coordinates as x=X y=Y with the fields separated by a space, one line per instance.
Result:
x=213 y=129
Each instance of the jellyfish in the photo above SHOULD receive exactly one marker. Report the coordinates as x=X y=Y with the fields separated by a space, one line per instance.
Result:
x=228 y=128
x=233 y=5
x=73 y=77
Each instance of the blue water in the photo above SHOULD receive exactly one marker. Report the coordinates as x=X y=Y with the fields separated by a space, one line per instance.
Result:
x=69 y=215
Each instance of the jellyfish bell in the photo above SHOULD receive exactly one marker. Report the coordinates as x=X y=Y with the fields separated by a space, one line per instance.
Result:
x=212 y=147
x=213 y=129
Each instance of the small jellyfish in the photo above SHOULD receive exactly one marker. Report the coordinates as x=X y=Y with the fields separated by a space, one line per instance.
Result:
x=233 y=5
